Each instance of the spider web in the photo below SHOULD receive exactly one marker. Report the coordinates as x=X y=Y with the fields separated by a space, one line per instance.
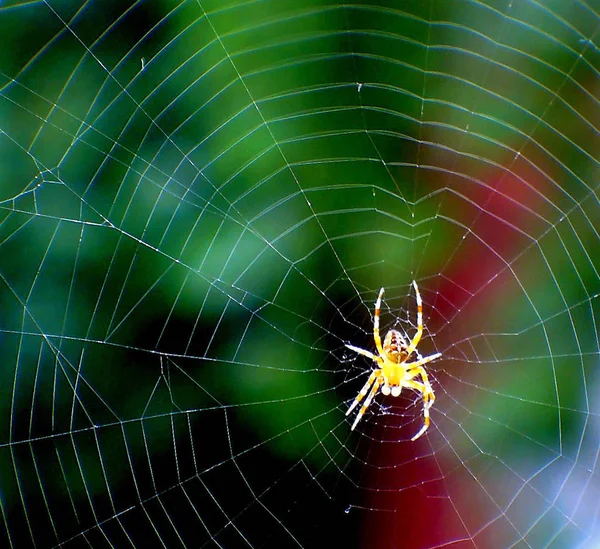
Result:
x=199 y=202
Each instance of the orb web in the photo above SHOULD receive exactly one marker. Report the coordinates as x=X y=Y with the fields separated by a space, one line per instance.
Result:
x=199 y=204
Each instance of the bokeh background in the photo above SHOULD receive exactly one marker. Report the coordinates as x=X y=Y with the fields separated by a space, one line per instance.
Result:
x=199 y=201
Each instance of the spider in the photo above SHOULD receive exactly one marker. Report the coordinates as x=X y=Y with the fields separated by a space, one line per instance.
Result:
x=394 y=371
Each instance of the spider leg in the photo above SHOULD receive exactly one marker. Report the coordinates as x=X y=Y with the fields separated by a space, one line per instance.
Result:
x=428 y=394
x=363 y=352
x=425 y=425
x=363 y=391
x=417 y=338
x=415 y=369
x=367 y=402
x=421 y=361
x=426 y=391
x=376 y=335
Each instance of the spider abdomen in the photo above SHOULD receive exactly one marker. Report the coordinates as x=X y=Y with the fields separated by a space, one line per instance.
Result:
x=394 y=347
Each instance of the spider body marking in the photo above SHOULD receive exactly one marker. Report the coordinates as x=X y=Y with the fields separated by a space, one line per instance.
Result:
x=394 y=371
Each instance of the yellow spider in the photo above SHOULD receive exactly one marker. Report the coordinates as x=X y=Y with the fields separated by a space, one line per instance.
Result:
x=394 y=371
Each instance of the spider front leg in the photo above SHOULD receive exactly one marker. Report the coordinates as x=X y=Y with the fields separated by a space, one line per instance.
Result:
x=417 y=338
x=376 y=335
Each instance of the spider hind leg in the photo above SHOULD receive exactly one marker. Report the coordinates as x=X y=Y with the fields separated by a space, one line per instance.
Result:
x=367 y=402
x=363 y=392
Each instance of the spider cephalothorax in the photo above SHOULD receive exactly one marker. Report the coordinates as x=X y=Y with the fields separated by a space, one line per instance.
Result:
x=394 y=371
